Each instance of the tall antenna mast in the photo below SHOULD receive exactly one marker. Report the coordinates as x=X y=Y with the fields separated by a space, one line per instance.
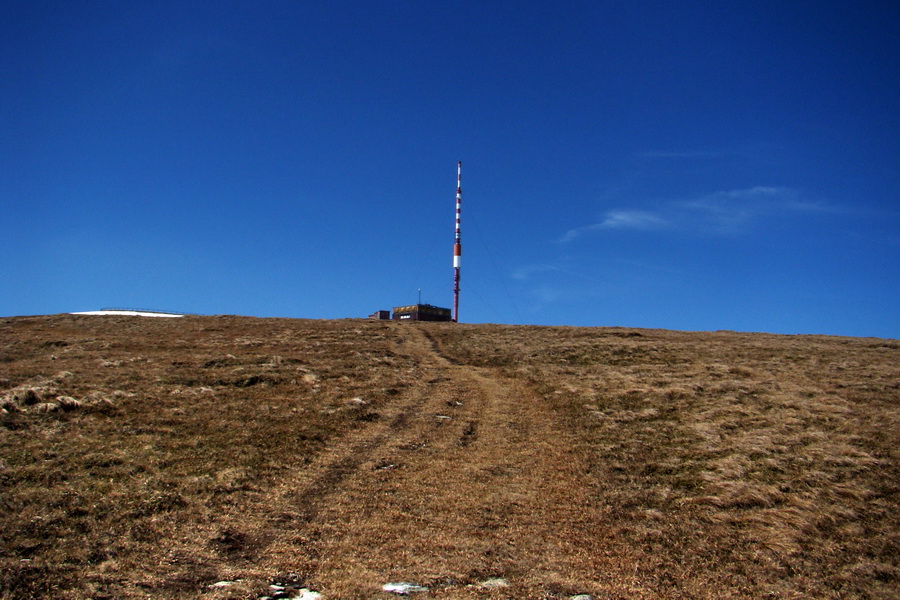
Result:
x=457 y=246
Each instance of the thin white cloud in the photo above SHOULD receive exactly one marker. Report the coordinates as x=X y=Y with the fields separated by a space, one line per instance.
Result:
x=620 y=219
x=729 y=210
x=632 y=219
x=723 y=212
x=756 y=197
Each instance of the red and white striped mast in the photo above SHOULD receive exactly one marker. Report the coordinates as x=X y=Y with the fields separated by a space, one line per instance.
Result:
x=457 y=246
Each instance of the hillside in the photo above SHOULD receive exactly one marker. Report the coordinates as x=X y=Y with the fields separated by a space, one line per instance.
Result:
x=212 y=457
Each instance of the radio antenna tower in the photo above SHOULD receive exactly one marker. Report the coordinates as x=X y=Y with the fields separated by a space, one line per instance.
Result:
x=457 y=246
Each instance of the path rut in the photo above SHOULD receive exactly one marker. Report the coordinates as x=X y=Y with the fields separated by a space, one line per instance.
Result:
x=466 y=478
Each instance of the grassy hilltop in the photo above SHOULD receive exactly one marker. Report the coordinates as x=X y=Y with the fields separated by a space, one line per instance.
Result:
x=156 y=458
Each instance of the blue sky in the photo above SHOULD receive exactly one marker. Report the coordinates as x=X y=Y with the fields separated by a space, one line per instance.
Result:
x=682 y=165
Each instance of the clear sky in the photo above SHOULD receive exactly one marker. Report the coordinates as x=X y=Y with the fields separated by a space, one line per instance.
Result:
x=682 y=165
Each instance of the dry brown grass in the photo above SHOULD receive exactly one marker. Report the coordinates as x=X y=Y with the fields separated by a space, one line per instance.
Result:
x=751 y=464
x=151 y=458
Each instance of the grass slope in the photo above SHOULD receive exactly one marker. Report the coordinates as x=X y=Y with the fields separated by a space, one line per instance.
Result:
x=152 y=458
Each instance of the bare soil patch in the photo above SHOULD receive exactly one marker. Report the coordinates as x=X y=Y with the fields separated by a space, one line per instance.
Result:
x=156 y=458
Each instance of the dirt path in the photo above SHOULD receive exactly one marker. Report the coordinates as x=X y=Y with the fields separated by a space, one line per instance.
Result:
x=465 y=479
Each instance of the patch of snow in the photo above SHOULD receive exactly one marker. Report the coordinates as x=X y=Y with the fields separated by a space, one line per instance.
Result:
x=130 y=313
x=494 y=583
x=404 y=589
x=301 y=594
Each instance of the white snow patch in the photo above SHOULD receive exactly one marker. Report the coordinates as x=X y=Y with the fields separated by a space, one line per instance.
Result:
x=130 y=313
x=494 y=583
x=305 y=594
x=282 y=591
x=404 y=589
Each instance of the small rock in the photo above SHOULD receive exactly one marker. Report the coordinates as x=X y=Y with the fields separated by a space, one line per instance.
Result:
x=493 y=583
x=223 y=584
x=404 y=589
x=27 y=397
x=581 y=597
x=68 y=403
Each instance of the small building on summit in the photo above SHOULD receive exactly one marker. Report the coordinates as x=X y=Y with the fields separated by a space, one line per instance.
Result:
x=381 y=315
x=421 y=312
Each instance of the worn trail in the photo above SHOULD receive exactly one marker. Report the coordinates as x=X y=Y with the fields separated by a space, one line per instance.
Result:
x=466 y=478
x=216 y=457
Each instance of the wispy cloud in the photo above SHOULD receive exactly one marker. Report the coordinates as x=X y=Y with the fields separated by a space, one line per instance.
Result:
x=760 y=195
x=620 y=219
x=728 y=209
x=721 y=212
x=632 y=219
x=731 y=210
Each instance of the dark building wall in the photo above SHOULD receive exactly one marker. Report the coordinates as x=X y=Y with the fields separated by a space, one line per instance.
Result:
x=421 y=312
